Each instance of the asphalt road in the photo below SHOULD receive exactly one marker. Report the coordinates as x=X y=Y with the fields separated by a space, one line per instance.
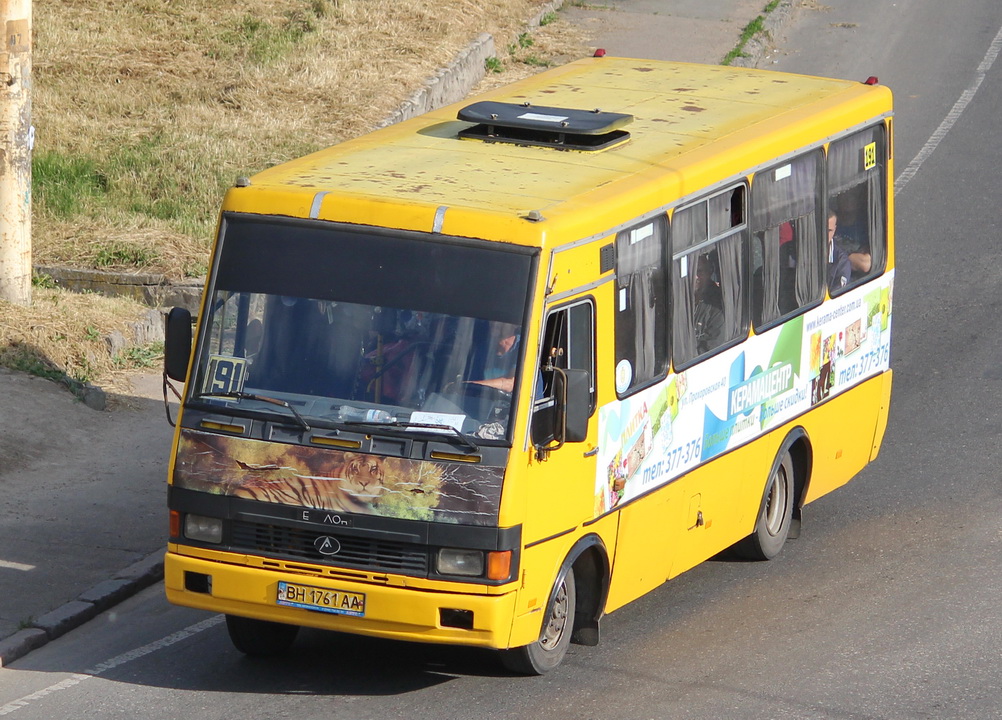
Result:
x=886 y=607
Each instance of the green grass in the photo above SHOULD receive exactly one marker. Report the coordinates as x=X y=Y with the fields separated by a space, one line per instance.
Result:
x=522 y=42
x=32 y=363
x=43 y=280
x=197 y=269
x=163 y=176
x=263 y=42
x=534 y=61
x=144 y=356
x=159 y=177
x=61 y=184
x=118 y=254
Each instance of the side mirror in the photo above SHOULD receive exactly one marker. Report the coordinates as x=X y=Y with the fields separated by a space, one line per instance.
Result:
x=565 y=418
x=177 y=343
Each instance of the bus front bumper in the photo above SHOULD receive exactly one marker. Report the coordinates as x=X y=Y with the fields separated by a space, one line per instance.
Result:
x=400 y=613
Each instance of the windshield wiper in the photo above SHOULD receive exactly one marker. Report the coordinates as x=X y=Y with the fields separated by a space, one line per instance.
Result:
x=262 y=398
x=448 y=429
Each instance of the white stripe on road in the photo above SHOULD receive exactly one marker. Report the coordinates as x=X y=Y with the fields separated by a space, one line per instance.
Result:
x=115 y=662
x=951 y=118
x=10 y=565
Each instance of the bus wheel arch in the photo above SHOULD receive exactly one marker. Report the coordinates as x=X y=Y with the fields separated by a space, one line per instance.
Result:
x=573 y=610
x=780 y=512
x=798 y=444
x=592 y=571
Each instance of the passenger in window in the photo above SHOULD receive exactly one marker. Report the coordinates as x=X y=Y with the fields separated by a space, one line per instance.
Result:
x=839 y=267
x=708 y=314
x=852 y=236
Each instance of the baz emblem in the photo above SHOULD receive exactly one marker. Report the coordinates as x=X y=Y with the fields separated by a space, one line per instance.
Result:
x=327 y=545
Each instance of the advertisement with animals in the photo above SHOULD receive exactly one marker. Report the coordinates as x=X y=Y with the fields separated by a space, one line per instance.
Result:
x=336 y=480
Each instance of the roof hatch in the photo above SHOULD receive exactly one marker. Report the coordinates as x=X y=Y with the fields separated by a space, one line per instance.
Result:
x=560 y=128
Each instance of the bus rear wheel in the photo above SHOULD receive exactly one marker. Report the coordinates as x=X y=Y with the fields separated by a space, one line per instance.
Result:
x=260 y=638
x=548 y=651
x=773 y=525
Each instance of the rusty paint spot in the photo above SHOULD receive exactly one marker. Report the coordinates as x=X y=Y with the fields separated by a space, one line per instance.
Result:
x=684 y=90
x=644 y=69
x=693 y=108
x=548 y=92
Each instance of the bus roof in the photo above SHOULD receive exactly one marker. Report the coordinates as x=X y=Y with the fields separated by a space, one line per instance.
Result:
x=693 y=126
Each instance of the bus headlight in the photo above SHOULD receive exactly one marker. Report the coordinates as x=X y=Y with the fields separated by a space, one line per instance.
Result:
x=203 y=529
x=460 y=562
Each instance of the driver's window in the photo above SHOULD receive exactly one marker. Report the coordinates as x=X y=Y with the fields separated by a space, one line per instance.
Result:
x=568 y=342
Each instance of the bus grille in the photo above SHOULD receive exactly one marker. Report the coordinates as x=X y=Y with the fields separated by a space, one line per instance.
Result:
x=355 y=552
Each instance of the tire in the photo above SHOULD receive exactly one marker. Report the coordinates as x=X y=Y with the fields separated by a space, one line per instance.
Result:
x=548 y=651
x=259 y=638
x=773 y=525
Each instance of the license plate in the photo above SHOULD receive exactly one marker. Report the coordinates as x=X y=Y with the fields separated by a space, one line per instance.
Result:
x=338 y=602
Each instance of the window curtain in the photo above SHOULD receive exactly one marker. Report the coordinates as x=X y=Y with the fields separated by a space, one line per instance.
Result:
x=767 y=277
x=688 y=228
x=811 y=259
x=731 y=259
x=641 y=296
x=785 y=192
x=785 y=212
x=875 y=212
x=683 y=292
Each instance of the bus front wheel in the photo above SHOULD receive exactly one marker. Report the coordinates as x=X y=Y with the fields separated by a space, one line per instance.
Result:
x=546 y=653
x=773 y=525
x=260 y=638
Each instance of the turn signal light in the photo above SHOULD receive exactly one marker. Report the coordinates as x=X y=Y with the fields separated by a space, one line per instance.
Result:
x=499 y=565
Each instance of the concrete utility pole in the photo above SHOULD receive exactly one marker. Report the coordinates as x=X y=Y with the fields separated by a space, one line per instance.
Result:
x=16 y=140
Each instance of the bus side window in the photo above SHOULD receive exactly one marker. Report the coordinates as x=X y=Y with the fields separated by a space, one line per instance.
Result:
x=709 y=268
x=789 y=242
x=641 y=305
x=856 y=169
x=568 y=343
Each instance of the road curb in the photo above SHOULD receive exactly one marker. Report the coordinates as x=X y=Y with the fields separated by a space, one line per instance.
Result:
x=758 y=47
x=86 y=606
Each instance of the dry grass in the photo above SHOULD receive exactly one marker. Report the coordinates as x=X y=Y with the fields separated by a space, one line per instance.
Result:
x=146 y=111
x=64 y=335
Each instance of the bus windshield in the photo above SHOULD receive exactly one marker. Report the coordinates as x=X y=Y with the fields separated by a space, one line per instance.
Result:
x=350 y=326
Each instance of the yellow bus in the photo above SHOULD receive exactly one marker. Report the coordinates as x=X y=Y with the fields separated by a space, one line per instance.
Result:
x=487 y=375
